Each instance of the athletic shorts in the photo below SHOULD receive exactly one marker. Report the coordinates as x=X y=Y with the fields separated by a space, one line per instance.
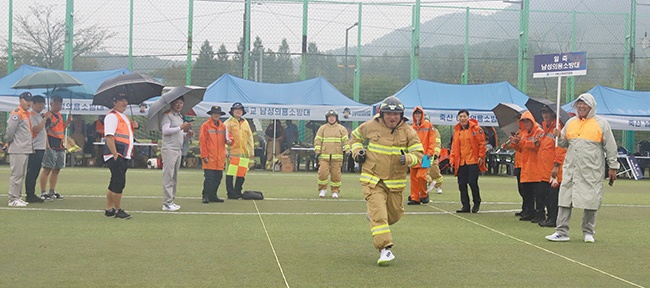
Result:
x=53 y=159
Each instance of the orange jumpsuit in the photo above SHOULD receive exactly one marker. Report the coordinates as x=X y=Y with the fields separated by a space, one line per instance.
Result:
x=427 y=136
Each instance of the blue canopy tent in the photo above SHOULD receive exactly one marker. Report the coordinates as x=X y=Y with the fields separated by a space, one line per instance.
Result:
x=82 y=95
x=442 y=101
x=623 y=109
x=303 y=100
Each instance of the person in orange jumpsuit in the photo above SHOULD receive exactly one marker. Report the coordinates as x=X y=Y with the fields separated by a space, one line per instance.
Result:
x=213 y=140
x=468 y=159
x=527 y=144
x=552 y=169
x=427 y=137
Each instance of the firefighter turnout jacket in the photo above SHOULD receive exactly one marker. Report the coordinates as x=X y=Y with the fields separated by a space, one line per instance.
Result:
x=385 y=146
x=331 y=141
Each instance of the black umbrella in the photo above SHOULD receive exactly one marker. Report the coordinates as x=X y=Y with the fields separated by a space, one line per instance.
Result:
x=508 y=115
x=535 y=107
x=192 y=95
x=137 y=88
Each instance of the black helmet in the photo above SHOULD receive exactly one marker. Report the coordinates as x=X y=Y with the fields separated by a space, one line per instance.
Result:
x=330 y=113
x=237 y=105
x=391 y=104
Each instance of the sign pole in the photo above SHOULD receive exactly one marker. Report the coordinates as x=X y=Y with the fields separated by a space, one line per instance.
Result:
x=557 y=101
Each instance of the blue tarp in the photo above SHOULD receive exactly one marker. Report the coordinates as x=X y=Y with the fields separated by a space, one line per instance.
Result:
x=91 y=79
x=623 y=109
x=442 y=101
x=303 y=100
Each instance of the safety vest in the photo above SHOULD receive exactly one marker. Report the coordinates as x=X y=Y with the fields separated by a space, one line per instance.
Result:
x=99 y=127
x=56 y=132
x=121 y=136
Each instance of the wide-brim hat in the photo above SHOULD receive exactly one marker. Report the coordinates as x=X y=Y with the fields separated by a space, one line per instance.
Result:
x=237 y=105
x=216 y=109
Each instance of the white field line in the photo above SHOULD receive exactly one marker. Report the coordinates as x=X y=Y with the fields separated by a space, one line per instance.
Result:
x=271 y=244
x=536 y=246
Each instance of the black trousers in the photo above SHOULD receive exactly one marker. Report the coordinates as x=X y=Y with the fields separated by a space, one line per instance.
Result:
x=468 y=175
x=529 y=189
x=211 y=182
x=541 y=198
x=519 y=189
x=234 y=190
x=33 y=169
x=551 y=203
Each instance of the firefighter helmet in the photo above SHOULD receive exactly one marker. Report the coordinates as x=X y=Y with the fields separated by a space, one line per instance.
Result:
x=391 y=104
x=332 y=113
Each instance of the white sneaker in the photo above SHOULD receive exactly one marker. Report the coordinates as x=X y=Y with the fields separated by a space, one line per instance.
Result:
x=385 y=256
x=171 y=207
x=431 y=186
x=322 y=193
x=23 y=201
x=439 y=190
x=589 y=238
x=17 y=203
x=557 y=237
x=335 y=195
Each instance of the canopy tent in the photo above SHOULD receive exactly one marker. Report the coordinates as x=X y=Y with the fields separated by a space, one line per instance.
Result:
x=303 y=100
x=623 y=109
x=442 y=101
x=82 y=95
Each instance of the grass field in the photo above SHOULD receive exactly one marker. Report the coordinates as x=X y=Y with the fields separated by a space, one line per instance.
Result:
x=294 y=239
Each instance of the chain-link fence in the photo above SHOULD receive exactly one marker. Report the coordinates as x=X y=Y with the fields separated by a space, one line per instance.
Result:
x=375 y=41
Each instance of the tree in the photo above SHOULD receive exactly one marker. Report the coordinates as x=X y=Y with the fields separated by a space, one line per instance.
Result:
x=41 y=41
x=223 y=63
x=205 y=71
x=284 y=65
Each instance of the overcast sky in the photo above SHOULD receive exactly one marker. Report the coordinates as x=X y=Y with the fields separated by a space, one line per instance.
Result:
x=160 y=26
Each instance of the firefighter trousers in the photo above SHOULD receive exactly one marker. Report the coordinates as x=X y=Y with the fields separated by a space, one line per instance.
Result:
x=385 y=208
x=329 y=169
x=418 y=183
x=434 y=174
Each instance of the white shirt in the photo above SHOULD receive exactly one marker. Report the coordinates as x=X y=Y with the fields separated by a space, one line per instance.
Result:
x=110 y=125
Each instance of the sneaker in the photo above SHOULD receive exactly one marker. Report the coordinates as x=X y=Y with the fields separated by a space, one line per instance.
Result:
x=120 y=214
x=46 y=196
x=110 y=213
x=322 y=193
x=34 y=199
x=589 y=238
x=17 y=203
x=23 y=201
x=335 y=195
x=170 y=207
x=55 y=196
x=555 y=237
x=385 y=256
x=439 y=190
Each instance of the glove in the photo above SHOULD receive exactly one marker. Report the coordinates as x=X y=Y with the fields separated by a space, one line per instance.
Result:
x=402 y=158
x=361 y=156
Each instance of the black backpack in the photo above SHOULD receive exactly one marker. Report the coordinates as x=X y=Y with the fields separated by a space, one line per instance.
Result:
x=252 y=195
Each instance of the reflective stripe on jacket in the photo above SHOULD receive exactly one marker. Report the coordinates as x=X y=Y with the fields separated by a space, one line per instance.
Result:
x=385 y=146
x=331 y=141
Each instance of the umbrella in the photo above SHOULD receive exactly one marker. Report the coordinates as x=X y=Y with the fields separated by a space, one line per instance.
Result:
x=192 y=94
x=137 y=87
x=535 y=107
x=46 y=79
x=508 y=115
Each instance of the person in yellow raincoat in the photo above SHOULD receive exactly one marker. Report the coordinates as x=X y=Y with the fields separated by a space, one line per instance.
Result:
x=393 y=146
x=241 y=150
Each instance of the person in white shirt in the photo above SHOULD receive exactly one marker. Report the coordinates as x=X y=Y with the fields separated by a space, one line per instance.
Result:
x=174 y=131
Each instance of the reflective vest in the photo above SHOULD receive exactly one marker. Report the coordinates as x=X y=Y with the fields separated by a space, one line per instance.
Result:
x=121 y=136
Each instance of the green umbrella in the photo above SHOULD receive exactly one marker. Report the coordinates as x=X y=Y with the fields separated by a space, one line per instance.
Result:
x=46 y=79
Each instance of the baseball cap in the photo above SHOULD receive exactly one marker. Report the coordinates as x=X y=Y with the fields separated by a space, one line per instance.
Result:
x=26 y=96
